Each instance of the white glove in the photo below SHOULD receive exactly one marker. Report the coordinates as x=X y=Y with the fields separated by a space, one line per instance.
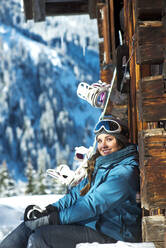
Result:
x=62 y=174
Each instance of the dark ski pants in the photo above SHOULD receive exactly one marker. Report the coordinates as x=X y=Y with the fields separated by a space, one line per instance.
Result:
x=53 y=236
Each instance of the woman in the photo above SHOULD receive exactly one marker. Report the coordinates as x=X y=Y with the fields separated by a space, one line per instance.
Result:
x=102 y=208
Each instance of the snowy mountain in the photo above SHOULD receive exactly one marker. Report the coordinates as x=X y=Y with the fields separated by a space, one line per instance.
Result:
x=42 y=119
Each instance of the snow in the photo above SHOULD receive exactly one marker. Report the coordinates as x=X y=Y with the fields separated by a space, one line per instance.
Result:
x=119 y=244
x=12 y=208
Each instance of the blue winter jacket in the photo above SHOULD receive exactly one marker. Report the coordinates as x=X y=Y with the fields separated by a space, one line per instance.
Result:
x=110 y=205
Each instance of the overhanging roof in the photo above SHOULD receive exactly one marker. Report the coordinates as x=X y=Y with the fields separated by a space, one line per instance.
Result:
x=37 y=10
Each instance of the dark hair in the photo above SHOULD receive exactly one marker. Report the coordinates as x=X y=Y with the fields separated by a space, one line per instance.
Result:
x=91 y=165
x=120 y=143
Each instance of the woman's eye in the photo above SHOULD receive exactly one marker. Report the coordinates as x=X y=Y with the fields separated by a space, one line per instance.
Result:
x=109 y=139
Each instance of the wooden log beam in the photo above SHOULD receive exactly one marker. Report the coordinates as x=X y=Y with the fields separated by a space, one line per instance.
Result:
x=28 y=9
x=38 y=9
x=106 y=34
x=151 y=98
x=152 y=87
x=66 y=1
x=151 y=40
x=112 y=31
x=92 y=8
x=152 y=154
x=145 y=10
x=105 y=42
x=152 y=110
x=152 y=192
x=67 y=8
x=153 y=230
x=129 y=23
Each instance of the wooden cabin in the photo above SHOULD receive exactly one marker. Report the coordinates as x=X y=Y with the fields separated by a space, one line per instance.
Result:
x=142 y=24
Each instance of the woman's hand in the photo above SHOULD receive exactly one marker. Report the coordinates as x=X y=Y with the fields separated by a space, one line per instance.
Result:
x=33 y=212
x=35 y=217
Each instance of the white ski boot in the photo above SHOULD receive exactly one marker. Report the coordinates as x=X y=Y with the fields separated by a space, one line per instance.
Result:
x=95 y=94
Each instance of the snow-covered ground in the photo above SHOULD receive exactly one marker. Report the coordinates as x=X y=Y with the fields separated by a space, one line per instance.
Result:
x=12 y=208
x=119 y=244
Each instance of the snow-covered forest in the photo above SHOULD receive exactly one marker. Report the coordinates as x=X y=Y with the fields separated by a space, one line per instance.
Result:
x=42 y=119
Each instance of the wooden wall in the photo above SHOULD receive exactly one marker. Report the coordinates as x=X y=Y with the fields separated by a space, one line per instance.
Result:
x=145 y=33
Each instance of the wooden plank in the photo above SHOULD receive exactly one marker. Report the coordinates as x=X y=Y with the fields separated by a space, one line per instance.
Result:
x=65 y=1
x=112 y=30
x=152 y=153
x=105 y=49
x=153 y=229
x=106 y=35
x=151 y=41
x=120 y=111
x=152 y=147
x=152 y=110
x=28 y=9
x=92 y=8
x=101 y=52
x=152 y=87
x=149 y=4
x=159 y=244
x=106 y=74
x=149 y=9
x=69 y=8
x=38 y=7
x=129 y=25
x=153 y=186
x=151 y=98
x=101 y=38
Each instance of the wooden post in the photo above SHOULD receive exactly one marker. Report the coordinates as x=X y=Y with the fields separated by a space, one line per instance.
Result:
x=38 y=7
x=28 y=9
x=134 y=71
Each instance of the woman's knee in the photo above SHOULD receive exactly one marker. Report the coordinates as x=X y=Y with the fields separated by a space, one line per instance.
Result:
x=35 y=241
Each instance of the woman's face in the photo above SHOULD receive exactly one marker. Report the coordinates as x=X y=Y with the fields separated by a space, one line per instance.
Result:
x=106 y=144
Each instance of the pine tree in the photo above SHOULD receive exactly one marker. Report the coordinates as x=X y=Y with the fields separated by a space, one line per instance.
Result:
x=40 y=186
x=50 y=185
x=7 y=183
x=31 y=176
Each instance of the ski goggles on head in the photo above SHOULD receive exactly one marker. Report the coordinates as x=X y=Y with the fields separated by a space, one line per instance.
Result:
x=110 y=126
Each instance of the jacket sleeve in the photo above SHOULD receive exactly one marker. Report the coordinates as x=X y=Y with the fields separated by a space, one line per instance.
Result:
x=70 y=198
x=108 y=195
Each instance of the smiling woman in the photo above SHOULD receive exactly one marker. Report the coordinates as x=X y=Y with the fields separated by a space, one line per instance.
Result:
x=102 y=208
